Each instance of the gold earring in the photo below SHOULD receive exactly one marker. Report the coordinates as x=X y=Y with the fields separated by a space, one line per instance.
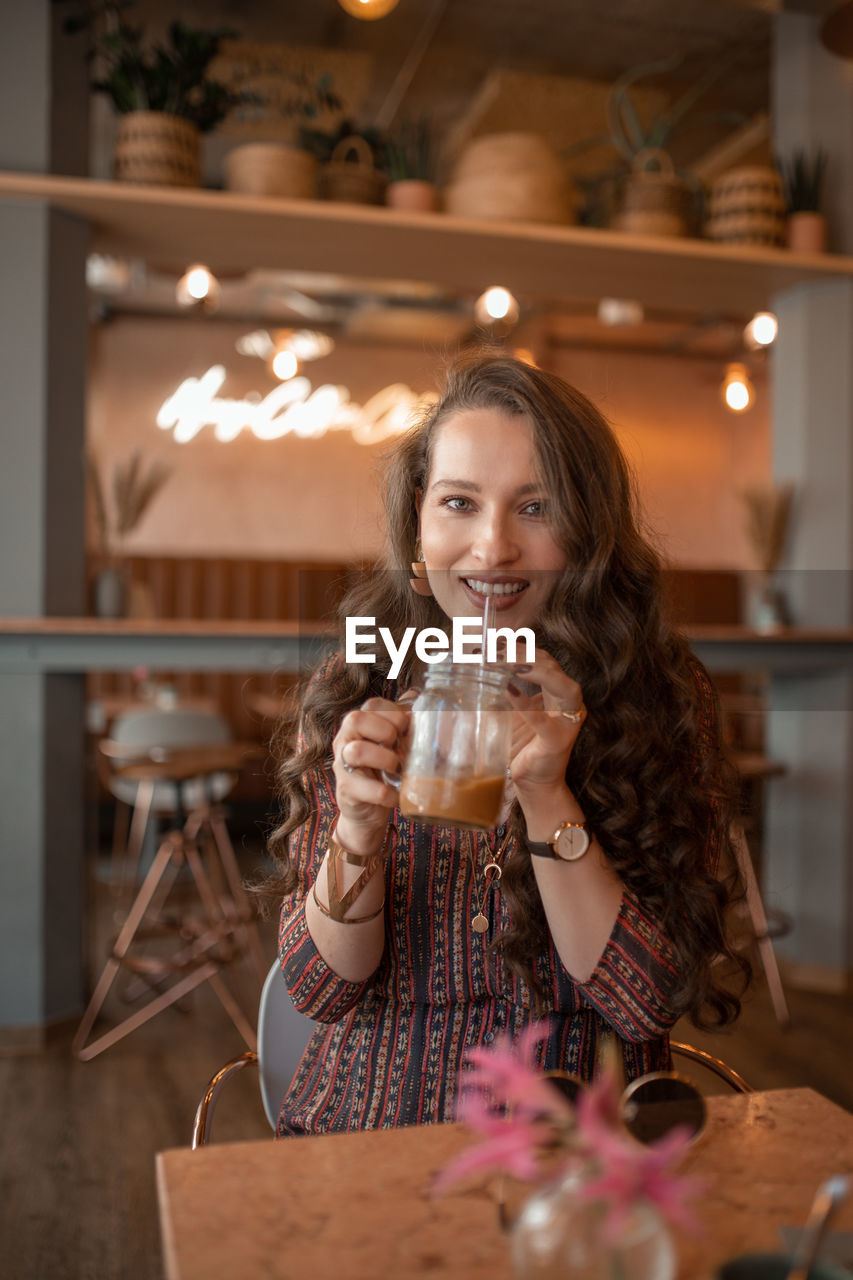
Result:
x=419 y=583
x=418 y=566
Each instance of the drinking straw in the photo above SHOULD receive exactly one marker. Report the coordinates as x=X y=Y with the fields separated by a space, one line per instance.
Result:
x=489 y=613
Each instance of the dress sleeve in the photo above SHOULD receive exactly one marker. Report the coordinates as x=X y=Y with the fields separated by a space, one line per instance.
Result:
x=315 y=988
x=633 y=982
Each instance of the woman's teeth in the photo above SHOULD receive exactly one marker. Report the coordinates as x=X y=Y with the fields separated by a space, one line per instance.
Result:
x=495 y=588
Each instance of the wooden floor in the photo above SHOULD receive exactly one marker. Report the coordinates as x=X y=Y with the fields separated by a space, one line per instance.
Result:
x=77 y=1144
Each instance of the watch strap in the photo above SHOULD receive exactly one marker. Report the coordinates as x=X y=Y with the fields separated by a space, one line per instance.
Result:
x=548 y=848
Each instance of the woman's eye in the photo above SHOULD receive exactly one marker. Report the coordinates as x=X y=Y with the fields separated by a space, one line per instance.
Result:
x=536 y=508
x=458 y=504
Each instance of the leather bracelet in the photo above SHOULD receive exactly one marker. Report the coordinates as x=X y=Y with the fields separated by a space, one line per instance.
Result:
x=365 y=859
x=345 y=919
x=340 y=903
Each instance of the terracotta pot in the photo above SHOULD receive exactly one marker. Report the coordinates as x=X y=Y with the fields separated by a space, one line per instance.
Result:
x=413 y=195
x=807 y=232
x=271 y=169
x=159 y=149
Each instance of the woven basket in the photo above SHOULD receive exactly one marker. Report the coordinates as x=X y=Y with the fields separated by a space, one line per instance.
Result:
x=653 y=201
x=350 y=174
x=152 y=147
x=271 y=169
x=516 y=176
x=747 y=207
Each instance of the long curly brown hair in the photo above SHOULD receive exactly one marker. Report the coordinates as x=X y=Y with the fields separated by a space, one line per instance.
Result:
x=647 y=768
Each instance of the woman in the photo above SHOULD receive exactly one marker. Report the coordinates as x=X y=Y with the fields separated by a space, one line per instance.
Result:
x=608 y=916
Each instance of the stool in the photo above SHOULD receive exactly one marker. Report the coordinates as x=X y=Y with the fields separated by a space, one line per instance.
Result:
x=136 y=730
x=755 y=766
x=224 y=930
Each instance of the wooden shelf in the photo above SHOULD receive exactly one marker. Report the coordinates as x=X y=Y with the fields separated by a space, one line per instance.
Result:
x=230 y=232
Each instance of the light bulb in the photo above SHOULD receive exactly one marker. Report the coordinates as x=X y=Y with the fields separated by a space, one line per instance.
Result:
x=284 y=364
x=197 y=284
x=620 y=312
x=496 y=303
x=368 y=9
x=737 y=390
x=761 y=330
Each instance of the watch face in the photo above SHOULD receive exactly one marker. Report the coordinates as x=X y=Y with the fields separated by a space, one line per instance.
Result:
x=571 y=843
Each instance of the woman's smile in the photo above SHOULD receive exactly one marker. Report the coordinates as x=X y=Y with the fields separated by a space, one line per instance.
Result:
x=484 y=524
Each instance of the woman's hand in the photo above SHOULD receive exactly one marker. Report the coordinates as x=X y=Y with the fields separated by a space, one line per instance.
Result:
x=545 y=726
x=368 y=741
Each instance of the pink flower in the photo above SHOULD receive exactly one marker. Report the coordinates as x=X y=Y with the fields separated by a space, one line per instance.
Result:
x=510 y=1146
x=510 y=1104
x=628 y=1172
x=510 y=1073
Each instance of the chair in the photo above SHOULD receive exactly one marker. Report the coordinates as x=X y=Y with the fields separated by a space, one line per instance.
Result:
x=763 y=938
x=283 y=1035
x=219 y=928
x=150 y=728
x=712 y=1064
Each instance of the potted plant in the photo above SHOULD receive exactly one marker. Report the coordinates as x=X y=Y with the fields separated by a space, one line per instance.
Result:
x=643 y=192
x=768 y=511
x=410 y=165
x=134 y=487
x=352 y=162
x=162 y=90
x=802 y=178
x=277 y=167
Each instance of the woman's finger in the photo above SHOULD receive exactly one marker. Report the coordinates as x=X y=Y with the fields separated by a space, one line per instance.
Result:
x=560 y=693
x=364 y=789
x=360 y=753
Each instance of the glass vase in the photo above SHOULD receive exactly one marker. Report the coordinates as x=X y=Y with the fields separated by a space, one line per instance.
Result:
x=558 y=1235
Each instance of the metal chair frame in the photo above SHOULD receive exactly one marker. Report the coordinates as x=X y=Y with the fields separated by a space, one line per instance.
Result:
x=275 y=1009
x=715 y=1065
x=222 y=933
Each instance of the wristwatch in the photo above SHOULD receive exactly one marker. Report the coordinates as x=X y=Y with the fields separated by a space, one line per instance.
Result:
x=568 y=843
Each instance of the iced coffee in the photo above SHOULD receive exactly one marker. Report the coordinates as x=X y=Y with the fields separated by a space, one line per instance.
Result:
x=459 y=802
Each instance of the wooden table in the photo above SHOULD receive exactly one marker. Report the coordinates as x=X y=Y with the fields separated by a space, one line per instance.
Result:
x=358 y=1205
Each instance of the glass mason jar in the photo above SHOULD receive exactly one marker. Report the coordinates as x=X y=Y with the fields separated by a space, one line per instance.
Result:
x=558 y=1235
x=458 y=747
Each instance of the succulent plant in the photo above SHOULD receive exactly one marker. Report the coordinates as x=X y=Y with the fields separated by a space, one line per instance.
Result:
x=802 y=177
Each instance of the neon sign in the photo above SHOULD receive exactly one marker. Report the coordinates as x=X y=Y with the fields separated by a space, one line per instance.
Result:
x=292 y=408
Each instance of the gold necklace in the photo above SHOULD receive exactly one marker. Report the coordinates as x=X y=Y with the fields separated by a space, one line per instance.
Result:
x=492 y=873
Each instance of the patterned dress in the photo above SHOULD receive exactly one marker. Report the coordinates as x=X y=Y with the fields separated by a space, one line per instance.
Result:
x=388 y=1051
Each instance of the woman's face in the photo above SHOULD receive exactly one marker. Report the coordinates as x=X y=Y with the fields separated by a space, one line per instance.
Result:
x=484 y=526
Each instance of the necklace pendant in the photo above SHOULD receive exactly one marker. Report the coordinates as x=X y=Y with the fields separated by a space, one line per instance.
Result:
x=479 y=924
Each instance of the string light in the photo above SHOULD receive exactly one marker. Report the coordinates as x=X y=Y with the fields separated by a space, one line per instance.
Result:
x=616 y=313
x=737 y=391
x=496 y=304
x=368 y=10
x=284 y=364
x=761 y=330
x=197 y=285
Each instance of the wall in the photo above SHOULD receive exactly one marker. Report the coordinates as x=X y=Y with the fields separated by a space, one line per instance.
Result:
x=318 y=498
x=691 y=456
